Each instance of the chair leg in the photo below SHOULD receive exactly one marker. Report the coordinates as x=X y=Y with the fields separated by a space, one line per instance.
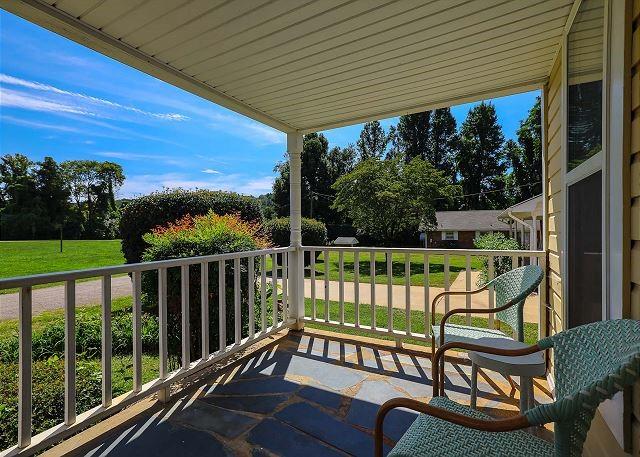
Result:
x=474 y=385
x=525 y=387
x=442 y=377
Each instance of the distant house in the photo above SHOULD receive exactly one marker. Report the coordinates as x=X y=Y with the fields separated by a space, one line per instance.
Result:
x=457 y=229
x=525 y=218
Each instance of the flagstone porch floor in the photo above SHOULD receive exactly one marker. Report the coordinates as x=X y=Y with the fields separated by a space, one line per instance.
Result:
x=309 y=393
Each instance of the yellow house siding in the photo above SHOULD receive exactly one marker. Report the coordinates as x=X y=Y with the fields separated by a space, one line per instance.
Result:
x=634 y=196
x=553 y=164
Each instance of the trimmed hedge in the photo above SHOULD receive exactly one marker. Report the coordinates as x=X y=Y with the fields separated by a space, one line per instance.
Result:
x=314 y=232
x=143 y=214
x=201 y=236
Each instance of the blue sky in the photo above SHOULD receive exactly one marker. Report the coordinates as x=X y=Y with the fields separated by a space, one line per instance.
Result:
x=61 y=99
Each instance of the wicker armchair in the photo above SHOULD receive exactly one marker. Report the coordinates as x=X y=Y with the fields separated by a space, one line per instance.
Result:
x=511 y=289
x=592 y=363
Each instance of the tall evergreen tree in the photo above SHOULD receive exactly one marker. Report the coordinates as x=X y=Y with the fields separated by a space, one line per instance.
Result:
x=443 y=143
x=413 y=135
x=373 y=141
x=525 y=157
x=481 y=161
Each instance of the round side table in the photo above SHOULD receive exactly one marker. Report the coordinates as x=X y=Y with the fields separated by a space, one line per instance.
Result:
x=526 y=367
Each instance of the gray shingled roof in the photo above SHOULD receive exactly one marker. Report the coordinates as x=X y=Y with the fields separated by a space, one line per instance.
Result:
x=483 y=220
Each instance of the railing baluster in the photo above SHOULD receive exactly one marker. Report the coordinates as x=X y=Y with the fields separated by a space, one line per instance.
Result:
x=137 y=331
x=407 y=292
x=70 y=352
x=446 y=282
x=204 y=308
x=184 y=299
x=285 y=284
x=356 y=285
x=274 y=285
x=326 y=286
x=341 y=285
x=312 y=257
x=468 y=285
x=107 y=393
x=490 y=274
x=237 y=304
x=163 y=344
x=514 y=262
x=251 y=282
x=390 y=291
x=372 y=275
x=427 y=303
x=263 y=292
x=25 y=367
x=222 y=306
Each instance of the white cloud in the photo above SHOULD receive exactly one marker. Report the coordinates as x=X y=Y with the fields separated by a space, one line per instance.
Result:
x=39 y=125
x=137 y=185
x=141 y=156
x=211 y=171
x=15 y=99
x=78 y=101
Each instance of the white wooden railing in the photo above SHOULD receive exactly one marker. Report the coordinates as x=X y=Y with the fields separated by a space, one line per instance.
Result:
x=291 y=315
x=320 y=277
x=73 y=422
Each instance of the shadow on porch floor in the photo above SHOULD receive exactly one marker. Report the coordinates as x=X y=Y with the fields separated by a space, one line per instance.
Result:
x=309 y=393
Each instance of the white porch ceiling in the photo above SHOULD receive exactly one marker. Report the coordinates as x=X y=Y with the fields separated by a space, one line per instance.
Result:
x=315 y=64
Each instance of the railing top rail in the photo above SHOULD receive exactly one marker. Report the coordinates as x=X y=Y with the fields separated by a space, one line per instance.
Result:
x=33 y=280
x=474 y=252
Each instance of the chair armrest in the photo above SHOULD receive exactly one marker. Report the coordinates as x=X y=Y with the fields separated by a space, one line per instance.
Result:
x=500 y=425
x=478 y=348
x=435 y=300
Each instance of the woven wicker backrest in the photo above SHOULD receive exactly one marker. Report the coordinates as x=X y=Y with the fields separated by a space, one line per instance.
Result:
x=591 y=362
x=515 y=286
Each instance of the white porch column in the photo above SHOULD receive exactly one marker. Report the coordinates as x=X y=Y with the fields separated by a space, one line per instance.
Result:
x=296 y=258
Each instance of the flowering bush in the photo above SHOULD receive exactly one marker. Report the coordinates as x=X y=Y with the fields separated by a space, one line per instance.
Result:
x=201 y=236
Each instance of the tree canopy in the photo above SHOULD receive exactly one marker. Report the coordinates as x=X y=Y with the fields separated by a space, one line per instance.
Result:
x=389 y=199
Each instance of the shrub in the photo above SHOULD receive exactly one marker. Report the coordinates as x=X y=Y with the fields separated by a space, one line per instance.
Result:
x=48 y=395
x=495 y=242
x=143 y=214
x=314 y=233
x=201 y=236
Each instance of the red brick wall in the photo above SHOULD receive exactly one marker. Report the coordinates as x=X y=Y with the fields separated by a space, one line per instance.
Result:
x=464 y=241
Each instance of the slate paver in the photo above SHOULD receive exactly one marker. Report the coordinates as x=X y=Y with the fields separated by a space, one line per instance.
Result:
x=265 y=385
x=211 y=418
x=366 y=403
x=322 y=396
x=261 y=404
x=160 y=440
x=413 y=388
x=327 y=428
x=284 y=440
x=335 y=376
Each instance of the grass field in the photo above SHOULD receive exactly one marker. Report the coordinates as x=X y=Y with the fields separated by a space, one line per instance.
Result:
x=436 y=268
x=20 y=258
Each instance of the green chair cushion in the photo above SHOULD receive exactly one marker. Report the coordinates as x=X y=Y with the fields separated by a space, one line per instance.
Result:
x=466 y=334
x=429 y=436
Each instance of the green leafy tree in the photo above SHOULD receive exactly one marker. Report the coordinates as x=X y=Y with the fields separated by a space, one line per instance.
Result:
x=373 y=141
x=20 y=216
x=320 y=168
x=525 y=157
x=412 y=135
x=481 y=161
x=53 y=193
x=389 y=199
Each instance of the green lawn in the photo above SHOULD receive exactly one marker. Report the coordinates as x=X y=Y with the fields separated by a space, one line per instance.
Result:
x=22 y=258
x=399 y=321
x=436 y=268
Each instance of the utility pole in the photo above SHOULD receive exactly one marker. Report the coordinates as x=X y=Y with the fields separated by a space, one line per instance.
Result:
x=311 y=204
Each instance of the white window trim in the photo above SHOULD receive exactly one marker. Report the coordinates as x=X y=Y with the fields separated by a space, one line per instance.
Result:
x=445 y=232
